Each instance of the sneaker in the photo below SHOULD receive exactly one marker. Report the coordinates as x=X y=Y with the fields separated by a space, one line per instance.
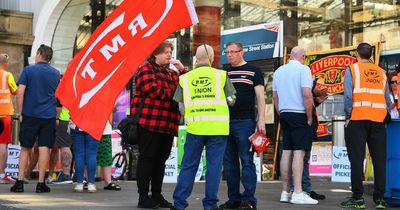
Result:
x=354 y=203
x=18 y=186
x=6 y=180
x=161 y=200
x=78 y=187
x=285 y=197
x=91 y=188
x=63 y=179
x=316 y=196
x=380 y=204
x=49 y=180
x=302 y=198
x=147 y=203
x=42 y=188
x=230 y=205
x=247 y=205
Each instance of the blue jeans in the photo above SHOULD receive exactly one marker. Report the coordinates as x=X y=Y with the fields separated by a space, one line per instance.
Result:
x=305 y=178
x=85 y=153
x=215 y=147
x=239 y=146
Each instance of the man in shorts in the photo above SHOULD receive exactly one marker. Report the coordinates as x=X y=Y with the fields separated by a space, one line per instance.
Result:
x=37 y=103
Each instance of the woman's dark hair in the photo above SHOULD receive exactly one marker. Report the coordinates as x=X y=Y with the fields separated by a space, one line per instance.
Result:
x=391 y=75
x=160 y=49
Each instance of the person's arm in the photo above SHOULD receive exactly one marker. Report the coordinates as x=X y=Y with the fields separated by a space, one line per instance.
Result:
x=308 y=103
x=20 y=99
x=276 y=101
x=260 y=108
x=146 y=82
x=230 y=92
x=387 y=97
x=178 y=97
x=11 y=84
x=348 y=93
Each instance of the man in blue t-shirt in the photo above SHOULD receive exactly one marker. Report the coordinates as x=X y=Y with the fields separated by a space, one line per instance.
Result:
x=37 y=104
x=249 y=84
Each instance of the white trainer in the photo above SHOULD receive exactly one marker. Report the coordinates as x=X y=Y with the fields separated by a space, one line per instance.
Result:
x=302 y=198
x=91 y=188
x=78 y=187
x=285 y=197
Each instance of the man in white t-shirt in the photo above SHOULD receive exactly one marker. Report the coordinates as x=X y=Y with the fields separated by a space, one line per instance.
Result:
x=293 y=101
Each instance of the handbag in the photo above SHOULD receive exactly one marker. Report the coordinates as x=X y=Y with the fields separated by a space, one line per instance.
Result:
x=129 y=127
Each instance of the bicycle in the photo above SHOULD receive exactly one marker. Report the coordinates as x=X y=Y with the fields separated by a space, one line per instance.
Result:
x=122 y=162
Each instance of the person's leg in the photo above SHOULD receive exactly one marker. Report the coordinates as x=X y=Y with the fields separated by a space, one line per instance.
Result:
x=5 y=139
x=305 y=179
x=43 y=161
x=285 y=166
x=231 y=166
x=23 y=161
x=215 y=147
x=66 y=160
x=47 y=136
x=3 y=159
x=33 y=160
x=164 y=150
x=78 y=143
x=377 y=147
x=54 y=153
x=297 y=168
x=249 y=175
x=91 y=146
x=356 y=137
x=190 y=163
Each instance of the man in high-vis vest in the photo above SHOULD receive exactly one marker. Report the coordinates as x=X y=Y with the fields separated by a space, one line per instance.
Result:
x=7 y=88
x=366 y=104
x=205 y=93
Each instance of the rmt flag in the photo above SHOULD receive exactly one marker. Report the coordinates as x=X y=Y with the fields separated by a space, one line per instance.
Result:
x=97 y=74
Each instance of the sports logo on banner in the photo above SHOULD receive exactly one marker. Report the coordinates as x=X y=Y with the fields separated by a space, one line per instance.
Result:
x=97 y=74
x=329 y=67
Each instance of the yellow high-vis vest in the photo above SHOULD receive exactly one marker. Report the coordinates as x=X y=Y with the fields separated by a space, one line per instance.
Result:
x=6 y=106
x=369 y=86
x=64 y=114
x=206 y=109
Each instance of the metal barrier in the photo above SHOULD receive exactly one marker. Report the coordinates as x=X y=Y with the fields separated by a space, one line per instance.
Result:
x=15 y=129
x=338 y=123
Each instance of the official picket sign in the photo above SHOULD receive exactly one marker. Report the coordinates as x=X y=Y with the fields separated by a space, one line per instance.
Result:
x=171 y=167
x=12 y=161
x=341 y=170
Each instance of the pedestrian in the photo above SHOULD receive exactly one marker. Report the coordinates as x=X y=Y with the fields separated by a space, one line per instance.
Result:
x=104 y=159
x=203 y=92
x=366 y=105
x=293 y=101
x=393 y=86
x=37 y=104
x=158 y=122
x=249 y=84
x=7 y=88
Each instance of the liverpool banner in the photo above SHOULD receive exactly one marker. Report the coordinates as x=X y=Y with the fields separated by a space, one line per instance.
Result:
x=329 y=67
x=97 y=74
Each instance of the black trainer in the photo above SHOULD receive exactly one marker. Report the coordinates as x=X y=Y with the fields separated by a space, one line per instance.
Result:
x=380 y=204
x=147 y=203
x=355 y=203
x=316 y=196
x=18 y=186
x=42 y=188
x=247 y=205
x=161 y=200
x=230 y=205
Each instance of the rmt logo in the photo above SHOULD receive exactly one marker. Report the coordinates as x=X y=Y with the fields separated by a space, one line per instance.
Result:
x=201 y=82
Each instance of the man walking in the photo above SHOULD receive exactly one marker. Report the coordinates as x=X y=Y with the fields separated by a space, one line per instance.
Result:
x=366 y=104
x=249 y=84
x=7 y=88
x=204 y=92
x=37 y=103
x=293 y=100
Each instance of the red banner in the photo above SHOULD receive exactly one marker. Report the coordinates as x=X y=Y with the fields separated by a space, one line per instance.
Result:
x=97 y=74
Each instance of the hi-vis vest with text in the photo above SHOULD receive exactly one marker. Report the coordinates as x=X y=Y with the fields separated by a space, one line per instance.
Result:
x=369 y=86
x=206 y=109
x=6 y=106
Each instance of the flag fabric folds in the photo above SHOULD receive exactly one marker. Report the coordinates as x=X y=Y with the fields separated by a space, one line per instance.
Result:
x=97 y=74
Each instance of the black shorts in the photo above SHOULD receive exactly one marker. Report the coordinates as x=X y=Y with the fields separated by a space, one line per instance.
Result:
x=63 y=139
x=40 y=129
x=297 y=134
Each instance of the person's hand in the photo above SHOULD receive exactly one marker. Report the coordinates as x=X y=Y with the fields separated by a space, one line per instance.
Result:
x=20 y=118
x=321 y=99
x=261 y=127
x=394 y=105
x=177 y=63
x=309 y=122
x=320 y=91
x=57 y=122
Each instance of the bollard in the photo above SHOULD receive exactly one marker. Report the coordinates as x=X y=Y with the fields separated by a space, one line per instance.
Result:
x=15 y=129
x=338 y=123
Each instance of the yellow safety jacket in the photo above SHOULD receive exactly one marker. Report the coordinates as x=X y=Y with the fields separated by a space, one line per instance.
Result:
x=6 y=106
x=369 y=86
x=64 y=114
x=206 y=109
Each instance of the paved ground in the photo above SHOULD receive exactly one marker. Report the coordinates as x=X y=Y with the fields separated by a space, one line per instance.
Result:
x=63 y=197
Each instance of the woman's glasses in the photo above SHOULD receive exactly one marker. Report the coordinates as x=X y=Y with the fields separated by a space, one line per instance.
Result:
x=393 y=82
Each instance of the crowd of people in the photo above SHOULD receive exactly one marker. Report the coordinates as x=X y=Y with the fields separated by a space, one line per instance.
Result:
x=221 y=109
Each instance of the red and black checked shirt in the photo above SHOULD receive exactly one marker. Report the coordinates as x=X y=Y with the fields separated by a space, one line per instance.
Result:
x=157 y=84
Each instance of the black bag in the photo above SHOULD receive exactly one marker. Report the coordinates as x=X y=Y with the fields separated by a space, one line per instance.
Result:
x=129 y=127
x=1 y=127
x=388 y=118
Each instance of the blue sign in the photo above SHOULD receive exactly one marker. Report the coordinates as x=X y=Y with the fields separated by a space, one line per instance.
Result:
x=261 y=41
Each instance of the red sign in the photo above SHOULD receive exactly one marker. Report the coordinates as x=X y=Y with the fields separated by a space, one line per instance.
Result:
x=97 y=74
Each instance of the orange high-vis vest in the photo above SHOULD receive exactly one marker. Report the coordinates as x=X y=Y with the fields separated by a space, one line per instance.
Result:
x=6 y=106
x=369 y=86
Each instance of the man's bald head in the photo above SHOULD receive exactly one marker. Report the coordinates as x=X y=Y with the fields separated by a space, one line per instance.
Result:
x=201 y=54
x=297 y=54
x=3 y=59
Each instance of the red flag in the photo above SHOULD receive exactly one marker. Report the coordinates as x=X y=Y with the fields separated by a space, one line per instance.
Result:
x=97 y=74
